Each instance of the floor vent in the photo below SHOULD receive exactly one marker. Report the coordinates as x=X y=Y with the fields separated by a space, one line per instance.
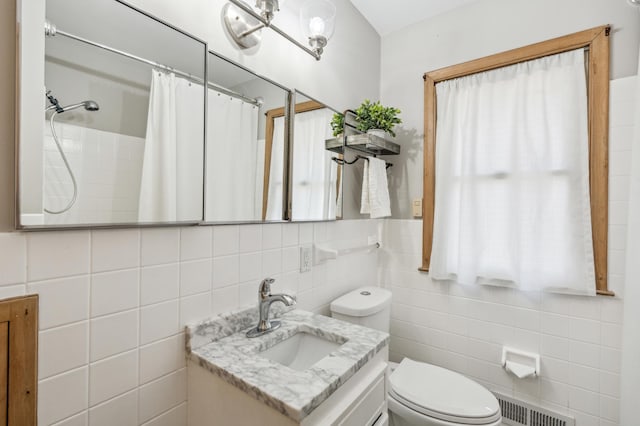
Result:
x=519 y=413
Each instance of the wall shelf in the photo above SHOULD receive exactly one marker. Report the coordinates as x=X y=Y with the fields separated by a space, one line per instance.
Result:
x=363 y=142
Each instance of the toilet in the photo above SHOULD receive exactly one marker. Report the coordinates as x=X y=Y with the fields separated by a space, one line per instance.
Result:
x=419 y=394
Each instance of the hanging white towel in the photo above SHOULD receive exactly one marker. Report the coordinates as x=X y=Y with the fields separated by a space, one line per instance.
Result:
x=375 y=189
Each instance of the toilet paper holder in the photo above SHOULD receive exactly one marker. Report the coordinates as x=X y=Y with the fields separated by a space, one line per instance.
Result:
x=521 y=363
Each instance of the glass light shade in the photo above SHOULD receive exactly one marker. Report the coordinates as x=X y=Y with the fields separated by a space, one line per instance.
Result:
x=317 y=18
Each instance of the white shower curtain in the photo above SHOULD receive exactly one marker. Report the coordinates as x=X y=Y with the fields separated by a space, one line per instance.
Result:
x=314 y=174
x=172 y=166
x=274 y=200
x=232 y=160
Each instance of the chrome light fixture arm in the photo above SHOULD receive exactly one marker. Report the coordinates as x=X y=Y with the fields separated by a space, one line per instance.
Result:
x=266 y=23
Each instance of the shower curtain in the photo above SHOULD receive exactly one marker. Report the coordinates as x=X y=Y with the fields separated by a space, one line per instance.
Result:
x=314 y=174
x=172 y=164
x=233 y=163
x=274 y=200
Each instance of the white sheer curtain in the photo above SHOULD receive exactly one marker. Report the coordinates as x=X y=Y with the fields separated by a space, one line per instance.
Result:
x=274 y=200
x=314 y=174
x=232 y=160
x=512 y=183
x=170 y=187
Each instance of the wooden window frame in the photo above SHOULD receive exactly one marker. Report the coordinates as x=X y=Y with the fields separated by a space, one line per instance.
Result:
x=596 y=40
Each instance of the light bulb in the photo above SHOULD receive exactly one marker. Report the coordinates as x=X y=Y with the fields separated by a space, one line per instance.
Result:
x=316 y=26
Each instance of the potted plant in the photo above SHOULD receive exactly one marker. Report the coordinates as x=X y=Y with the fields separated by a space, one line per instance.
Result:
x=337 y=124
x=374 y=118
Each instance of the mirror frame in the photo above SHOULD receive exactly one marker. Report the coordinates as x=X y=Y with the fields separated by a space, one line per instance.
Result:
x=269 y=128
x=30 y=16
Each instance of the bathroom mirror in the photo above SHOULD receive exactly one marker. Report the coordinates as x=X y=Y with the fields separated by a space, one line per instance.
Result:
x=246 y=148
x=316 y=179
x=119 y=137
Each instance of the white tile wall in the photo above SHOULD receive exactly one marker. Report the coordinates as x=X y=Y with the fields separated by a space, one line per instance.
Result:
x=464 y=328
x=113 y=305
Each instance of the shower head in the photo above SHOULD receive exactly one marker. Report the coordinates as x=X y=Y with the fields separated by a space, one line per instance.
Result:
x=88 y=105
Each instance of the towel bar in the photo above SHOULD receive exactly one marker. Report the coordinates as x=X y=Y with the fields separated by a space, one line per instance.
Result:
x=358 y=157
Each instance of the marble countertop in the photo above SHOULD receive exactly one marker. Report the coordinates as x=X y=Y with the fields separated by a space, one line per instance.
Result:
x=220 y=346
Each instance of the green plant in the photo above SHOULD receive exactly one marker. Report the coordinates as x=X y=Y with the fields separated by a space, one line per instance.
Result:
x=337 y=124
x=376 y=116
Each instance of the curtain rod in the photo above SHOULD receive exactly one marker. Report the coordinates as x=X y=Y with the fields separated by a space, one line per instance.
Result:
x=51 y=30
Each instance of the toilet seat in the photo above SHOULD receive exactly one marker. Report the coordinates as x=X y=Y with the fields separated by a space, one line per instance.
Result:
x=442 y=394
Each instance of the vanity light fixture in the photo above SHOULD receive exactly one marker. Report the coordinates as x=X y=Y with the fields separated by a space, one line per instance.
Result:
x=317 y=21
x=244 y=23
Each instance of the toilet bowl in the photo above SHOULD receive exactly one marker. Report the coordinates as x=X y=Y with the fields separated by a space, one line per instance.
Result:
x=422 y=394
x=419 y=394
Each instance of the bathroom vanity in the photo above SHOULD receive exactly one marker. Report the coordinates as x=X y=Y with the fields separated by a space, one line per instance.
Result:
x=313 y=370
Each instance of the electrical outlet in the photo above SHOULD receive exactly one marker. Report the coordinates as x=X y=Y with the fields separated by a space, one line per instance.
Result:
x=416 y=207
x=305 y=259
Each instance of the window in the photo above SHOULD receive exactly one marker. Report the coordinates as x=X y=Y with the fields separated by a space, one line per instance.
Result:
x=496 y=178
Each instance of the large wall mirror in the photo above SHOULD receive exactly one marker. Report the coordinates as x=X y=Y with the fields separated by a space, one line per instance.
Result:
x=118 y=137
x=316 y=179
x=246 y=148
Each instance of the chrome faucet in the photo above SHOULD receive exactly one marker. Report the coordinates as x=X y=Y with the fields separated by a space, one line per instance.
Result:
x=265 y=299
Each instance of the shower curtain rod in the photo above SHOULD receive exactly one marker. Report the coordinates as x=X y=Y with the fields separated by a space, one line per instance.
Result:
x=51 y=30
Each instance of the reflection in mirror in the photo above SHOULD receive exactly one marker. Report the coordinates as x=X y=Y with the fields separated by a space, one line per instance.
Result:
x=245 y=164
x=316 y=183
x=123 y=130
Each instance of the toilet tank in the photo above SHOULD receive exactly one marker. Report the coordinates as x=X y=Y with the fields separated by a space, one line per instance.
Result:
x=366 y=306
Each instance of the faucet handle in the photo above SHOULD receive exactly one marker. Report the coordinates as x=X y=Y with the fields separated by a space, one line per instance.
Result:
x=265 y=286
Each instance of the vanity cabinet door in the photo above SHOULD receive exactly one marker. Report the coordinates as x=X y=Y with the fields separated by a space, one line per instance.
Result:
x=370 y=406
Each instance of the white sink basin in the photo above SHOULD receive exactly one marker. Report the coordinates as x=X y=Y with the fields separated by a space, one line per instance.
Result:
x=300 y=351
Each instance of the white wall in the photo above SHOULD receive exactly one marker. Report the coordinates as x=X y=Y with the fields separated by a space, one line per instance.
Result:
x=630 y=384
x=479 y=29
x=113 y=302
x=464 y=328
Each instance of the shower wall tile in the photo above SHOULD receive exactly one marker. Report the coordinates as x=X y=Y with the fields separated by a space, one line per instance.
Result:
x=107 y=167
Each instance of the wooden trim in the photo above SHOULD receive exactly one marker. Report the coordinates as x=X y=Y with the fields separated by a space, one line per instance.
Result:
x=521 y=54
x=268 y=144
x=272 y=114
x=22 y=315
x=597 y=41
x=599 y=153
x=429 y=188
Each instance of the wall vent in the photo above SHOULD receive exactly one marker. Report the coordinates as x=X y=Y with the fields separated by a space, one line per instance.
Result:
x=519 y=413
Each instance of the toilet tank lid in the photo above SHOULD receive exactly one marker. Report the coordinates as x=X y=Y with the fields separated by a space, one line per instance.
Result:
x=362 y=302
